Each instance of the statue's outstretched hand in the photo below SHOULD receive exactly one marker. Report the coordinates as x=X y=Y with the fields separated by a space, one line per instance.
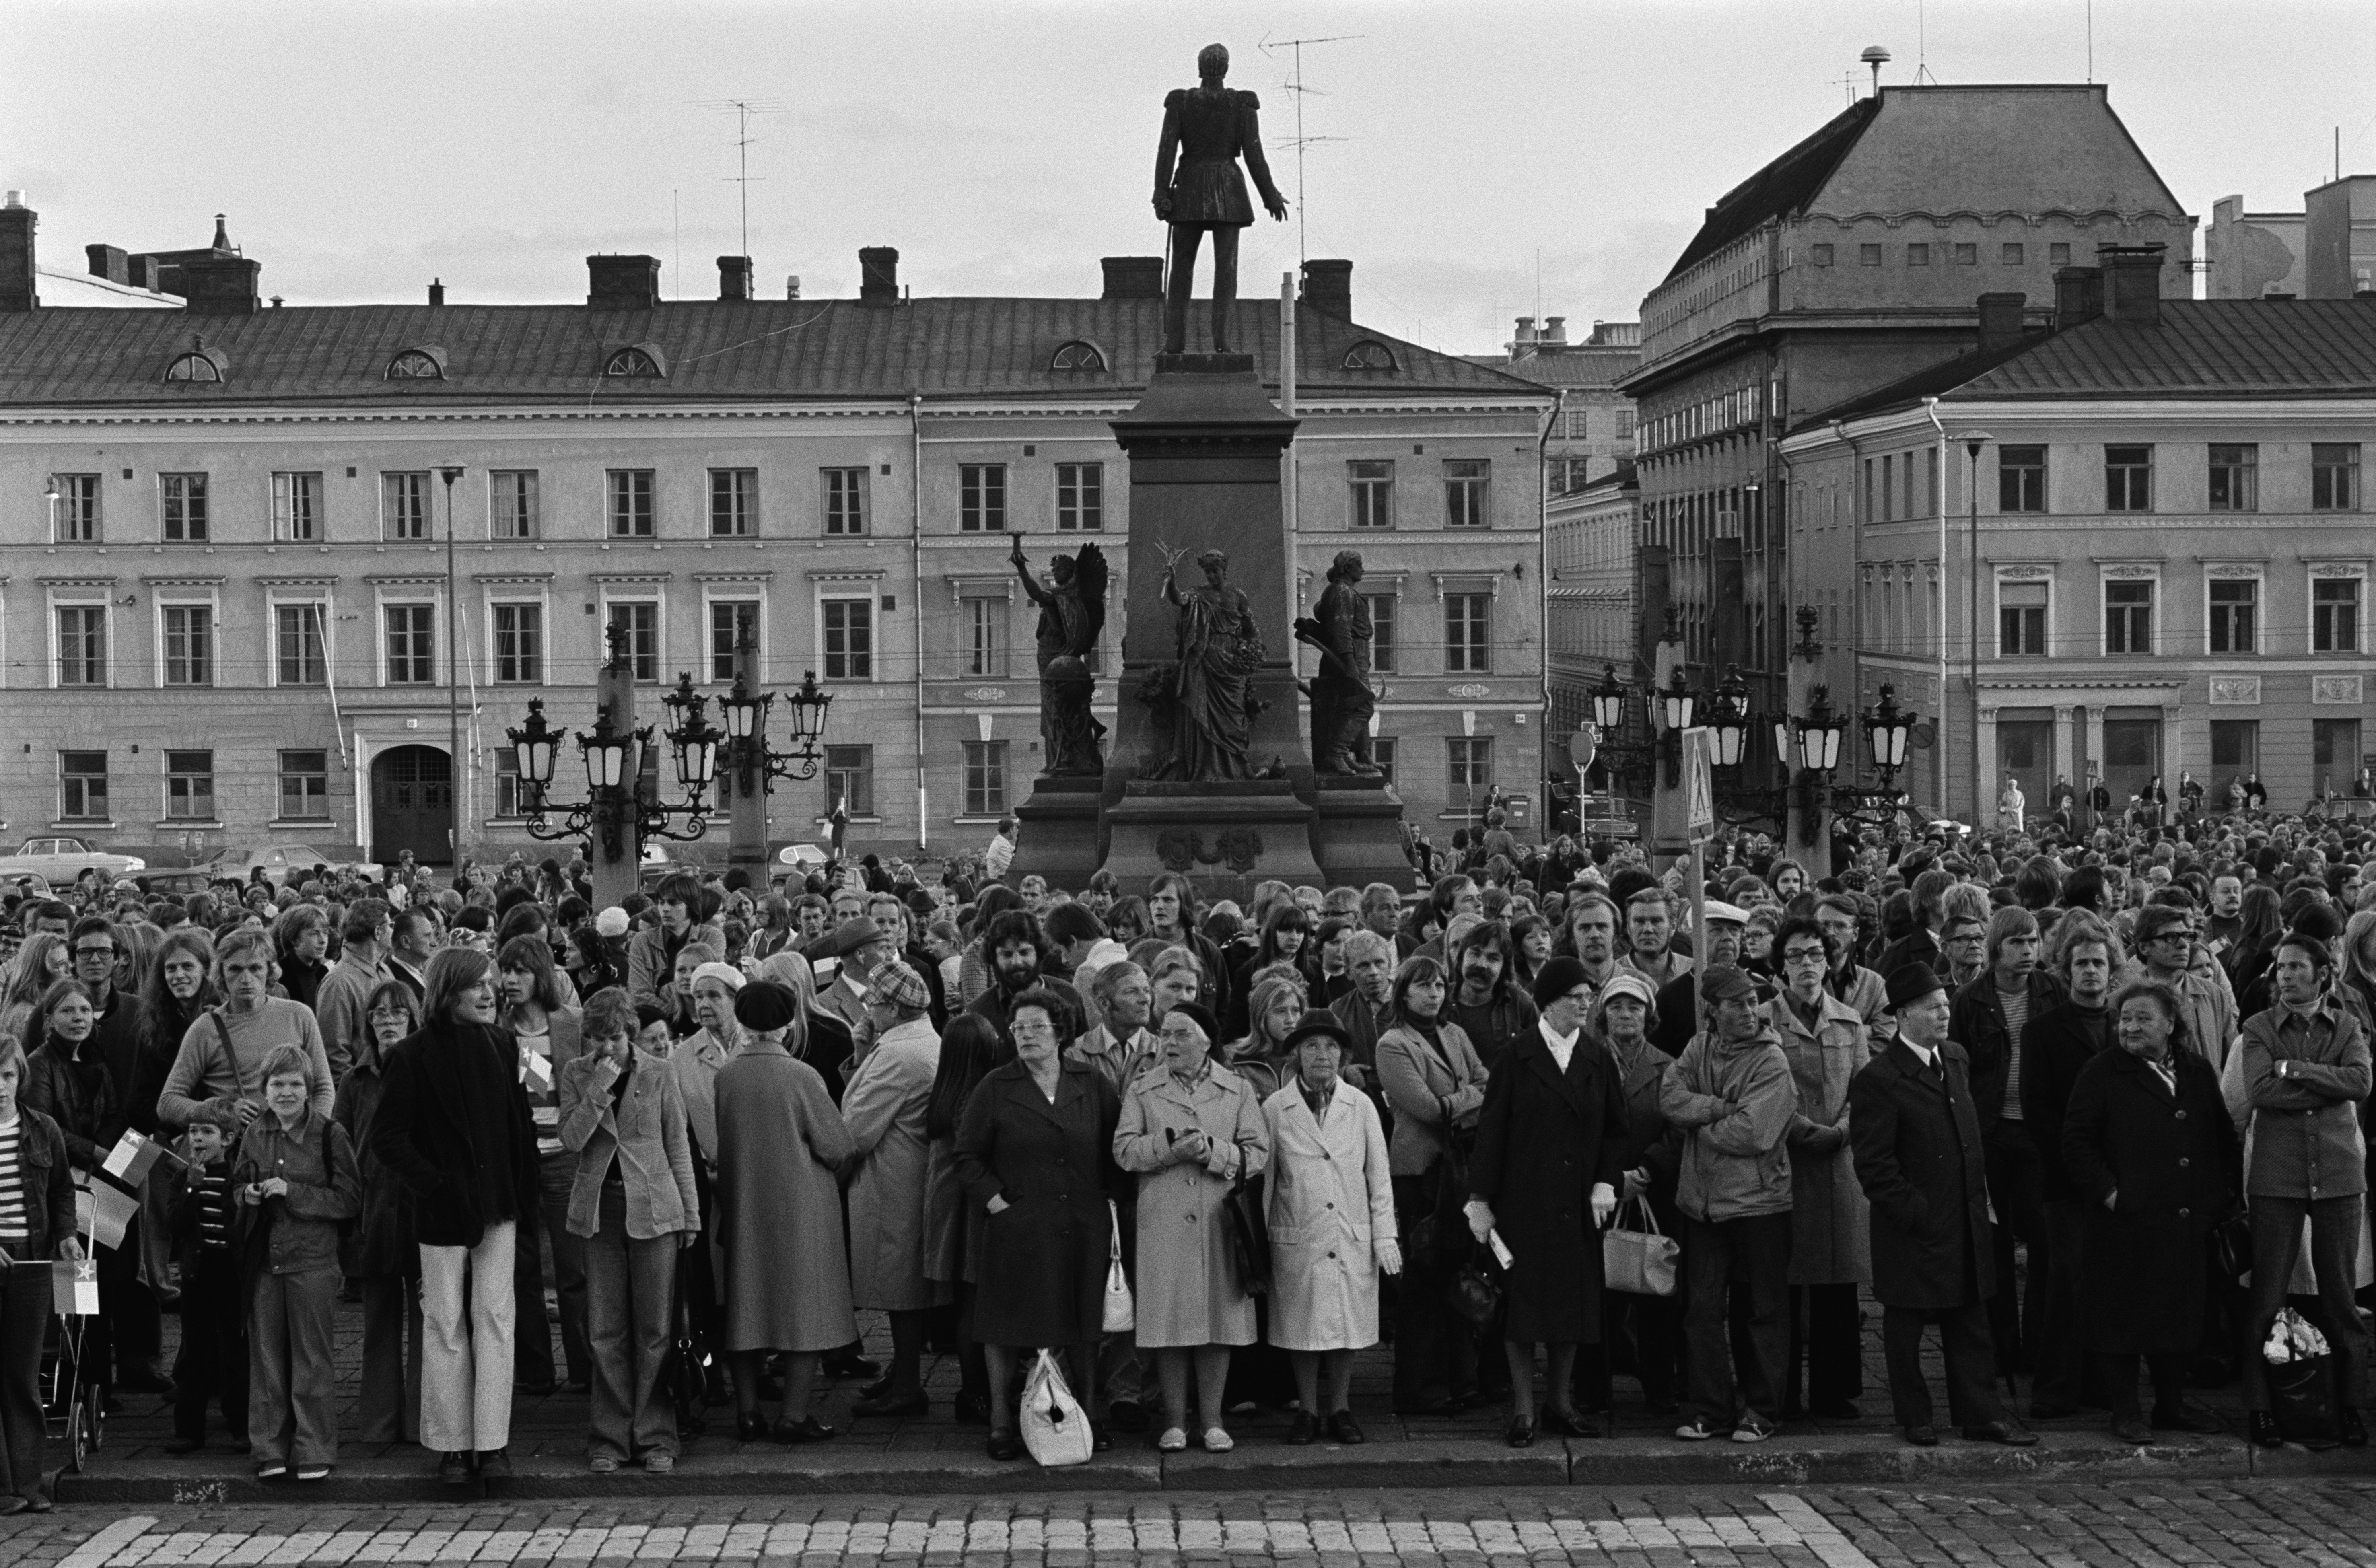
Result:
x=1277 y=206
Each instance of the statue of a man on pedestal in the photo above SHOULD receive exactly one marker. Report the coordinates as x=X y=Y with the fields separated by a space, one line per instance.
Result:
x=1209 y=128
x=1071 y=614
x=1342 y=703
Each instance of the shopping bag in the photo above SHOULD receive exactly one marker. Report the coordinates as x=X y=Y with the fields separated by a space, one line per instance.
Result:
x=2299 y=1376
x=1639 y=1261
x=1250 y=1236
x=1475 y=1294
x=1121 y=1314
x=1055 y=1427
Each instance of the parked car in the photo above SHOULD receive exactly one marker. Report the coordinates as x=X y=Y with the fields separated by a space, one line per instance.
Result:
x=62 y=859
x=178 y=884
x=278 y=861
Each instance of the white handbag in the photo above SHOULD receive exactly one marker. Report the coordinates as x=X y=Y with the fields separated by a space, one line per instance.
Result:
x=1055 y=1427
x=1121 y=1314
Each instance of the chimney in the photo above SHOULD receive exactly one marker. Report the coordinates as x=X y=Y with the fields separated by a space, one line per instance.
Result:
x=878 y=276
x=108 y=262
x=1133 y=277
x=142 y=272
x=2000 y=321
x=791 y=285
x=734 y=277
x=1523 y=334
x=17 y=284
x=2132 y=282
x=623 y=283
x=436 y=291
x=1328 y=288
x=222 y=235
x=2078 y=296
x=1554 y=329
x=220 y=285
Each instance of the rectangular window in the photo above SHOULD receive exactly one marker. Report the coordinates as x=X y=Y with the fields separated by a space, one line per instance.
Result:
x=297 y=507
x=1967 y=255
x=76 y=510
x=404 y=505
x=2334 y=752
x=985 y=632
x=642 y=620
x=2009 y=254
x=1465 y=491
x=305 y=785
x=1470 y=777
x=520 y=645
x=2335 y=476
x=982 y=497
x=182 y=501
x=1822 y=254
x=2021 y=620
x=2128 y=617
x=189 y=645
x=849 y=638
x=1888 y=490
x=82 y=645
x=844 y=493
x=1081 y=496
x=1869 y=256
x=2021 y=479
x=2235 y=615
x=1381 y=632
x=2335 y=615
x=411 y=645
x=2128 y=479
x=985 y=777
x=1917 y=255
x=1371 y=485
x=508 y=782
x=297 y=643
x=512 y=504
x=1466 y=645
x=2057 y=255
x=1579 y=422
x=2234 y=477
x=849 y=779
x=190 y=786
x=1382 y=750
x=631 y=503
x=2235 y=745
x=733 y=503
x=732 y=622
x=82 y=786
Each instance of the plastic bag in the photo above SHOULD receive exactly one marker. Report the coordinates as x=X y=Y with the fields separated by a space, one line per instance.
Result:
x=2292 y=1337
x=1121 y=1314
x=1055 y=1427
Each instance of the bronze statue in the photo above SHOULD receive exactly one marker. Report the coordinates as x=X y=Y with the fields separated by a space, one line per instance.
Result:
x=1341 y=699
x=1072 y=613
x=1209 y=693
x=1210 y=127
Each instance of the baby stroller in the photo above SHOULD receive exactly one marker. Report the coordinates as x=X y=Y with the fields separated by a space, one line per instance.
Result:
x=71 y=1404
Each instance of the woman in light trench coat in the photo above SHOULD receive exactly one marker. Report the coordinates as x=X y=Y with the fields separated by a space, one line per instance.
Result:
x=1332 y=1223
x=884 y=1108
x=1191 y=1130
x=1830 y=1226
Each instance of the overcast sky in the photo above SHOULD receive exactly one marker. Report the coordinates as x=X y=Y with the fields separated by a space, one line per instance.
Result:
x=362 y=149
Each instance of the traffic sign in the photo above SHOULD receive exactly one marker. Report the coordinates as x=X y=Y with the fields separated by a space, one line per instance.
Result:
x=1699 y=785
x=1582 y=747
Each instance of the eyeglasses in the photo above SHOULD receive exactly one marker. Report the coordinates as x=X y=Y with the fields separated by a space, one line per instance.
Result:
x=94 y=952
x=1806 y=955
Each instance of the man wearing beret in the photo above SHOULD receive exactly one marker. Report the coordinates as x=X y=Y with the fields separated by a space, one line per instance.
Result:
x=1918 y=1156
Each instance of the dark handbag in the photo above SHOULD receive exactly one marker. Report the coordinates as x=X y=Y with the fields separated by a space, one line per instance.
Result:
x=2232 y=1246
x=1250 y=1233
x=1474 y=1296
x=2302 y=1397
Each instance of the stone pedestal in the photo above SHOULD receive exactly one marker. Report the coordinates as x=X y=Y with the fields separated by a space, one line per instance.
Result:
x=1060 y=838
x=1227 y=836
x=1357 y=833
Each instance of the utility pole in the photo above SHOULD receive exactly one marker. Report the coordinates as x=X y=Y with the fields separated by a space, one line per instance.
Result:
x=453 y=772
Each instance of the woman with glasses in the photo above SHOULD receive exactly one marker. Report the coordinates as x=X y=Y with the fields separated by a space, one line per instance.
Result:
x=379 y=1251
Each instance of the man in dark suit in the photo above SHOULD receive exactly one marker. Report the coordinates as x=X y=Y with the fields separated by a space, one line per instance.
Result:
x=1917 y=1143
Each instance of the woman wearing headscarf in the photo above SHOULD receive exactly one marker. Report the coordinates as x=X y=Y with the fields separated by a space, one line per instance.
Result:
x=780 y=1140
x=1623 y=1014
x=380 y=1253
x=884 y=1110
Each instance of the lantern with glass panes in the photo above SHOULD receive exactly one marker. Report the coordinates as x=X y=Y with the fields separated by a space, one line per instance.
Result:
x=613 y=756
x=745 y=714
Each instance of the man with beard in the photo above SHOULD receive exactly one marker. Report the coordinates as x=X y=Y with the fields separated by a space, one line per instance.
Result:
x=1014 y=943
x=2227 y=922
x=1850 y=982
x=1488 y=1008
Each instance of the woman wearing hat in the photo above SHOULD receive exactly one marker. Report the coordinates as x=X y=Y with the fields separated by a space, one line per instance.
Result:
x=779 y=1142
x=1332 y=1223
x=1623 y=1014
x=1191 y=1130
x=884 y=1109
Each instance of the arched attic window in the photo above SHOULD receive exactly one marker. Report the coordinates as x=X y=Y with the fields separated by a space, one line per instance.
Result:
x=636 y=359
x=198 y=364
x=1078 y=354
x=1370 y=354
x=425 y=363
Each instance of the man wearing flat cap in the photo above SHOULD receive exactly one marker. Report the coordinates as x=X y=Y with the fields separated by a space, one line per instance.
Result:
x=1719 y=942
x=1916 y=1133
x=862 y=946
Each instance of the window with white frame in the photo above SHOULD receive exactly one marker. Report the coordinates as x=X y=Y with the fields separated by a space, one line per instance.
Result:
x=190 y=786
x=984 y=625
x=2335 y=476
x=1081 y=497
x=641 y=620
x=849 y=780
x=2021 y=619
x=404 y=505
x=2128 y=614
x=1369 y=492
x=2234 y=615
x=305 y=785
x=189 y=651
x=82 y=643
x=1466 y=488
x=299 y=657
x=76 y=507
x=630 y=495
x=1468 y=639
x=411 y=644
x=982 y=497
x=518 y=642
x=846 y=634
x=2128 y=479
x=2335 y=612
x=1469 y=768
x=297 y=507
x=2234 y=477
x=1381 y=751
x=732 y=622
x=82 y=786
x=844 y=500
x=733 y=503
x=182 y=509
x=985 y=777
x=512 y=504
x=1382 y=631
x=508 y=782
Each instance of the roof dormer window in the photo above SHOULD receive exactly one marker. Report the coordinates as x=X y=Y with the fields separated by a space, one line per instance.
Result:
x=1369 y=354
x=423 y=363
x=1078 y=354
x=636 y=359
x=199 y=364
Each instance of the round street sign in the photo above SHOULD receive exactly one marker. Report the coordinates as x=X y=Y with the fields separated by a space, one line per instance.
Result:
x=1582 y=747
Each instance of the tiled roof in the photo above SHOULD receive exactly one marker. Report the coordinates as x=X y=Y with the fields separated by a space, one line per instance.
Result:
x=1572 y=366
x=1782 y=186
x=714 y=350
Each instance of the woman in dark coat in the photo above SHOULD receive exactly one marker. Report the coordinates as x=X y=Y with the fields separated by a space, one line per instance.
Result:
x=1551 y=1150
x=2147 y=1142
x=1622 y=1016
x=67 y=1080
x=1035 y=1156
x=379 y=1252
x=32 y=1161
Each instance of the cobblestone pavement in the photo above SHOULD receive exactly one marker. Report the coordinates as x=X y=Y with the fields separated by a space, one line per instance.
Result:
x=2267 y=1524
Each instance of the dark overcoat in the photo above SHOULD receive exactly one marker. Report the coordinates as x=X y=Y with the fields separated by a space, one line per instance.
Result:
x=2054 y=1048
x=1919 y=1159
x=1978 y=1026
x=2173 y=1160
x=1544 y=1139
x=1042 y=1270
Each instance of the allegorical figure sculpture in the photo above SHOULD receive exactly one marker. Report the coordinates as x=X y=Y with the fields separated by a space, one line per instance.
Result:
x=1071 y=615
x=1208 y=127
x=1208 y=692
x=1339 y=629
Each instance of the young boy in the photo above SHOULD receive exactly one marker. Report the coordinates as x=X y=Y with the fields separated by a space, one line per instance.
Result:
x=208 y=1230
x=299 y=1180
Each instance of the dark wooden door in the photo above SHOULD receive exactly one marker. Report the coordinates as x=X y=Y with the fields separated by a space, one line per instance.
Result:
x=412 y=805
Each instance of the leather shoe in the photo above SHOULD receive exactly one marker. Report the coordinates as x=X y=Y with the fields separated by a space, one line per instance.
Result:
x=1343 y=1428
x=1567 y=1424
x=1005 y=1442
x=885 y=1405
x=972 y=1409
x=750 y=1429
x=808 y=1429
x=453 y=1469
x=1521 y=1431
x=2265 y=1430
x=1304 y=1429
x=2010 y=1433
x=2132 y=1429
x=2351 y=1427
x=850 y=1366
x=494 y=1465
x=876 y=1389
x=1922 y=1436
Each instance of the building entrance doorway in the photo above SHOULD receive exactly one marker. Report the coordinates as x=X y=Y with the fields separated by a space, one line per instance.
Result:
x=412 y=805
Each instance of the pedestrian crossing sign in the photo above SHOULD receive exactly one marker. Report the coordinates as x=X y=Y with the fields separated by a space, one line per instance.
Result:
x=1699 y=785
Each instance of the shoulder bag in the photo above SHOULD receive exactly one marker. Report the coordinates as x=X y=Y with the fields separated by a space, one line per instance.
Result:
x=1639 y=1261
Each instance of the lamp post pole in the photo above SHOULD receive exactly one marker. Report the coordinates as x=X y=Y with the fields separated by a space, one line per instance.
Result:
x=1973 y=443
x=615 y=876
x=454 y=770
x=748 y=838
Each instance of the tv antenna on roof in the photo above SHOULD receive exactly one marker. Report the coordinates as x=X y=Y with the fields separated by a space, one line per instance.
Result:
x=1295 y=85
x=745 y=108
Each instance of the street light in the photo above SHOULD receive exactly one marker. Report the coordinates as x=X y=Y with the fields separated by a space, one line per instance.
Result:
x=453 y=676
x=1728 y=718
x=745 y=713
x=1609 y=701
x=1974 y=440
x=614 y=764
x=1886 y=731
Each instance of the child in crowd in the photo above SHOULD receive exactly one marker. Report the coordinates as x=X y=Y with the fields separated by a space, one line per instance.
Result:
x=208 y=1230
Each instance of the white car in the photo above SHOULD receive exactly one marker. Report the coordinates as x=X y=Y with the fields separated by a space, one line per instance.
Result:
x=62 y=859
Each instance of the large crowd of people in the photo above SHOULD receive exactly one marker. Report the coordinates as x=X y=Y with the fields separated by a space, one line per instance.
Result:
x=2011 y=1085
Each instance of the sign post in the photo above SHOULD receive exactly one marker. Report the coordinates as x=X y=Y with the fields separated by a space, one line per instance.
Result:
x=1582 y=747
x=1699 y=827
